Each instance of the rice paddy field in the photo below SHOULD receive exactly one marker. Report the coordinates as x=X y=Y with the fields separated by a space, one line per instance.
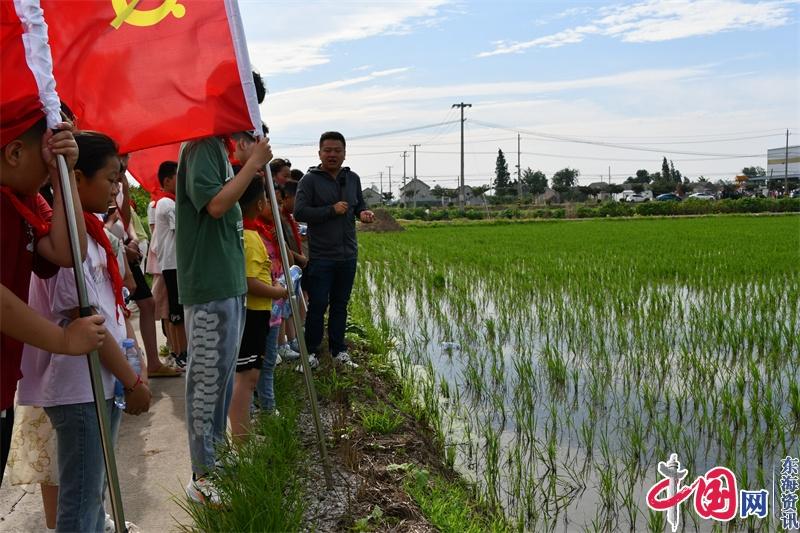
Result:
x=561 y=361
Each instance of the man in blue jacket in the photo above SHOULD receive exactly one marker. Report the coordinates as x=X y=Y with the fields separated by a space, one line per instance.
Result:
x=329 y=199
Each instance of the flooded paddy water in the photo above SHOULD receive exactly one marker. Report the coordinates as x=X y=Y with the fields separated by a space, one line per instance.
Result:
x=561 y=362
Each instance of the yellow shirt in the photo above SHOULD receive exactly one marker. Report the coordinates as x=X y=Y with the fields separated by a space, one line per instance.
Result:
x=257 y=265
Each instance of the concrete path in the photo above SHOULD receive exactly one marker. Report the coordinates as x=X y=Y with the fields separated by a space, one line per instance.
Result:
x=153 y=462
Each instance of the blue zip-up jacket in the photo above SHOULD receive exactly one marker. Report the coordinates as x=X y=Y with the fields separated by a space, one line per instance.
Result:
x=330 y=236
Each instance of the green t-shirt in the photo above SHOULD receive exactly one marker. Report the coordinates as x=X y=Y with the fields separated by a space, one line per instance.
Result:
x=210 y=252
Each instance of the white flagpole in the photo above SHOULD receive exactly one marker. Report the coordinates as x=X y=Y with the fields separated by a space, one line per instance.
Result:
x=40 y=62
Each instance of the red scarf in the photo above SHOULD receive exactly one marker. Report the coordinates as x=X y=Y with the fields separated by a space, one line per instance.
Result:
x=295 y=228
x=40 y=227
x=264 y=228
x=165 y=194
x=95 y=229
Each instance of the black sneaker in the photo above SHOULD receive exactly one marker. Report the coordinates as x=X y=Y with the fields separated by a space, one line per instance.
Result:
x=181 y=360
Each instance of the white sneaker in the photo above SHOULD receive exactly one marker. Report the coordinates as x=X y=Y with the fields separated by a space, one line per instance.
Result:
x=111 y=527
x=313 y=362
x=203 y=491
x=278 y=359
x=286 y=352
x=343 y=358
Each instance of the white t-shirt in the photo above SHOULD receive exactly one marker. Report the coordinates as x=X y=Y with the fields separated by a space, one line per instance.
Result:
x=165 y=226
x=151 y=265
x=52 y=379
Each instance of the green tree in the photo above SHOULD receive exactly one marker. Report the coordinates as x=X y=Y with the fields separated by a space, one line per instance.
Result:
x=536 y=181
x=141 y=198
x=387 y=197
x=665 y=170
x=439 y=192
x=754 y=172
x=502 y=179
x=642 y=176
x=674 y=174
x=565 y=179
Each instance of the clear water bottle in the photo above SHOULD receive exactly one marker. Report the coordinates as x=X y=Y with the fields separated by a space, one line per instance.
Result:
x=132 y=355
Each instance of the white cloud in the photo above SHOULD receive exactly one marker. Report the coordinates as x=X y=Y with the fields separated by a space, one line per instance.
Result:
x=658 y=20
x=301 y=35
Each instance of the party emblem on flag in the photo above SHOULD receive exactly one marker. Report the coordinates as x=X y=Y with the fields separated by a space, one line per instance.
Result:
x=128 y=14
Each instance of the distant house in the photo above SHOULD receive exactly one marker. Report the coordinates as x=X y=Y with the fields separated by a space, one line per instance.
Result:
x=549 y=196
x=469 y=196
x=371 y=196
x=417 y=192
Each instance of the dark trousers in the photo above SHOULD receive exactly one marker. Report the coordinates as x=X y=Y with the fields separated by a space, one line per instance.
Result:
x=329 y=284
x=6 y=425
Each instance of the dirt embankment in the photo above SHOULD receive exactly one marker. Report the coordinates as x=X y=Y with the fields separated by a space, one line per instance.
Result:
x=384 y=222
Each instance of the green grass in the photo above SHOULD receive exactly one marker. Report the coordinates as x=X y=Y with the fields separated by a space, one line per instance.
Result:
x=380 y=419
x=450 y=505
x=260 y=483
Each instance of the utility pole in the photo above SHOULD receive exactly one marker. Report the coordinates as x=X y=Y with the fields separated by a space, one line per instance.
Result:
x=519 y=170
x=402 y=194
x=415 y=171
x=786 y=167
x=381 y=175
x=390 y=178
x=461 y=195
x=609 y=174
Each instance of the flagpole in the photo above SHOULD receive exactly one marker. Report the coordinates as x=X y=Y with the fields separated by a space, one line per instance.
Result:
x=298 y=327
x=98 y=391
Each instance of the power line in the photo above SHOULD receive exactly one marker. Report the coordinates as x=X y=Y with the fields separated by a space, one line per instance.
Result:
x=605 y=144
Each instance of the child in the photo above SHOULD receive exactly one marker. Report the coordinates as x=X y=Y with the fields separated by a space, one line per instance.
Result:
x=30 y=243
x=212 y=287
x=260 y=292
x=266 y=394
x=62 y=384
x=165 y=253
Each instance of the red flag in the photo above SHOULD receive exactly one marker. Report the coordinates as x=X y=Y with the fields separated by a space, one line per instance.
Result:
x=20 y=106
x=143 y=165
x=154 y=72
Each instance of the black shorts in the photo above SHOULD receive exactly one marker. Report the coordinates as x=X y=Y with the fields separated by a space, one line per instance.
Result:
x=254 y=340
x=175 y=307
x=142 y=291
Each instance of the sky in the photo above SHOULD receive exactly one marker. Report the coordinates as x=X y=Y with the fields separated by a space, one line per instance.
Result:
x=709 y=84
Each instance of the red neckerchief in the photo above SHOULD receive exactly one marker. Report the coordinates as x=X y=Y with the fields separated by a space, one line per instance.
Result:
x=95 y=229
x=230 y=147
x=165 y=194
x=295 y=228
x=264 y=228
x=40 y=227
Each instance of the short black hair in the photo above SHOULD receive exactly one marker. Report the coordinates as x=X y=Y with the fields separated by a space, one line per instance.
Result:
x=277 y=164
x=289 y=188
x=166 y=169
x=252 y=192
x=297 y=174
x=261 y=89
x=331 y=136
x=94 y=149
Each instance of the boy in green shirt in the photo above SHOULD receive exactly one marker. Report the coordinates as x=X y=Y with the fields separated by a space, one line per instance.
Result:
x=212 y=287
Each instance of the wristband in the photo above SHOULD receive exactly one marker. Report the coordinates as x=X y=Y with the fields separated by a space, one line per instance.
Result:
x=138 y=382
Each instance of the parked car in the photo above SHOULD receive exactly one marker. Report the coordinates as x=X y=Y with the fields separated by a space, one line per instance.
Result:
x=635 y=198
x=668 y=197
x=702 y=196
x=795 y=193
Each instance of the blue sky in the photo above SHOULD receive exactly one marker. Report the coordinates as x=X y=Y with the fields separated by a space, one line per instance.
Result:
x=700 y=82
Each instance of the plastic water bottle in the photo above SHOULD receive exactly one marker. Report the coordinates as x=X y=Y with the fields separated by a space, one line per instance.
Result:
x=132 y=355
